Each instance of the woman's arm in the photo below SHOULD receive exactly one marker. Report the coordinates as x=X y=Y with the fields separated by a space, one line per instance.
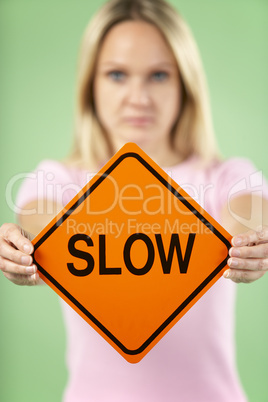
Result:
x=16 y=248
x=246 y=218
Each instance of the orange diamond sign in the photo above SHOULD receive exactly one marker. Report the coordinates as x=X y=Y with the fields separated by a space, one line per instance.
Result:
x=131 y=252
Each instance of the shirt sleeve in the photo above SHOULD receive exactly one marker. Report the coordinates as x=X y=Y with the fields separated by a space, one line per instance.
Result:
x=236 y=177
x=51 y=180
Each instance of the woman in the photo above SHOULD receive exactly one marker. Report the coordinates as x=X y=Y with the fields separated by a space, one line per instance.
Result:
x=140 y=79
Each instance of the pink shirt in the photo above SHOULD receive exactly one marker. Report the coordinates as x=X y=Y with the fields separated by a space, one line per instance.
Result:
x=195 y=361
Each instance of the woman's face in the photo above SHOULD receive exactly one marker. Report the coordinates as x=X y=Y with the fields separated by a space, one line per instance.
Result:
x=136 y=86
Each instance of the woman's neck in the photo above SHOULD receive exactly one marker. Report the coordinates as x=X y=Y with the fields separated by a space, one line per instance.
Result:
x=161 y=153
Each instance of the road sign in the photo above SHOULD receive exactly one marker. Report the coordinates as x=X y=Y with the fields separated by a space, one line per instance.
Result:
x=131 y=252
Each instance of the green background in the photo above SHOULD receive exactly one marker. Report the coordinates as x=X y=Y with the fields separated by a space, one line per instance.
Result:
x=38 y=51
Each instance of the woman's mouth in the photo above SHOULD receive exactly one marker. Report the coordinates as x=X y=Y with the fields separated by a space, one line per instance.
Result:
x=138 y=121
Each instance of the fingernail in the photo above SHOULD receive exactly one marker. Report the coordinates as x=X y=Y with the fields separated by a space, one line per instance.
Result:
x=26 y=260
x=237 y=241
x=226 y=274
x=27 y=248
x=31 y=269
x=35 y=277
x=232 y=262
x=235 y=252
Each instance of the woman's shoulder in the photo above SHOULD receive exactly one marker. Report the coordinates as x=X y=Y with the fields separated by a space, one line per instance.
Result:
x=216 y=166
x=52 y=179
x=233 y=161
x=62 y=167
x=232 y=166
x=54 y=164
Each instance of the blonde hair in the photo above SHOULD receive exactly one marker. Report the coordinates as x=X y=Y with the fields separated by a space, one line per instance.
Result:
x=193 y=132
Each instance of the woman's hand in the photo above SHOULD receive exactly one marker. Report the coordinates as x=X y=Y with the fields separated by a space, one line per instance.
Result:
x=16 y=261
x=249 y=256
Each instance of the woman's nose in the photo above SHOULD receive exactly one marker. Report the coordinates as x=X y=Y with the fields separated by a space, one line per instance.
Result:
x=138 y=93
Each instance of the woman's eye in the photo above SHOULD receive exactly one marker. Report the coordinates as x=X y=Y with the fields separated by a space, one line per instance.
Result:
x=116 y=75
x=159 y=76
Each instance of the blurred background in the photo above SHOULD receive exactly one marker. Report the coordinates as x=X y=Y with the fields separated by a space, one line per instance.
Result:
x=39 y=44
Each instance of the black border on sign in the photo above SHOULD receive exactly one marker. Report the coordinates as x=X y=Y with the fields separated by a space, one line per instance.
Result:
x=189 y=298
